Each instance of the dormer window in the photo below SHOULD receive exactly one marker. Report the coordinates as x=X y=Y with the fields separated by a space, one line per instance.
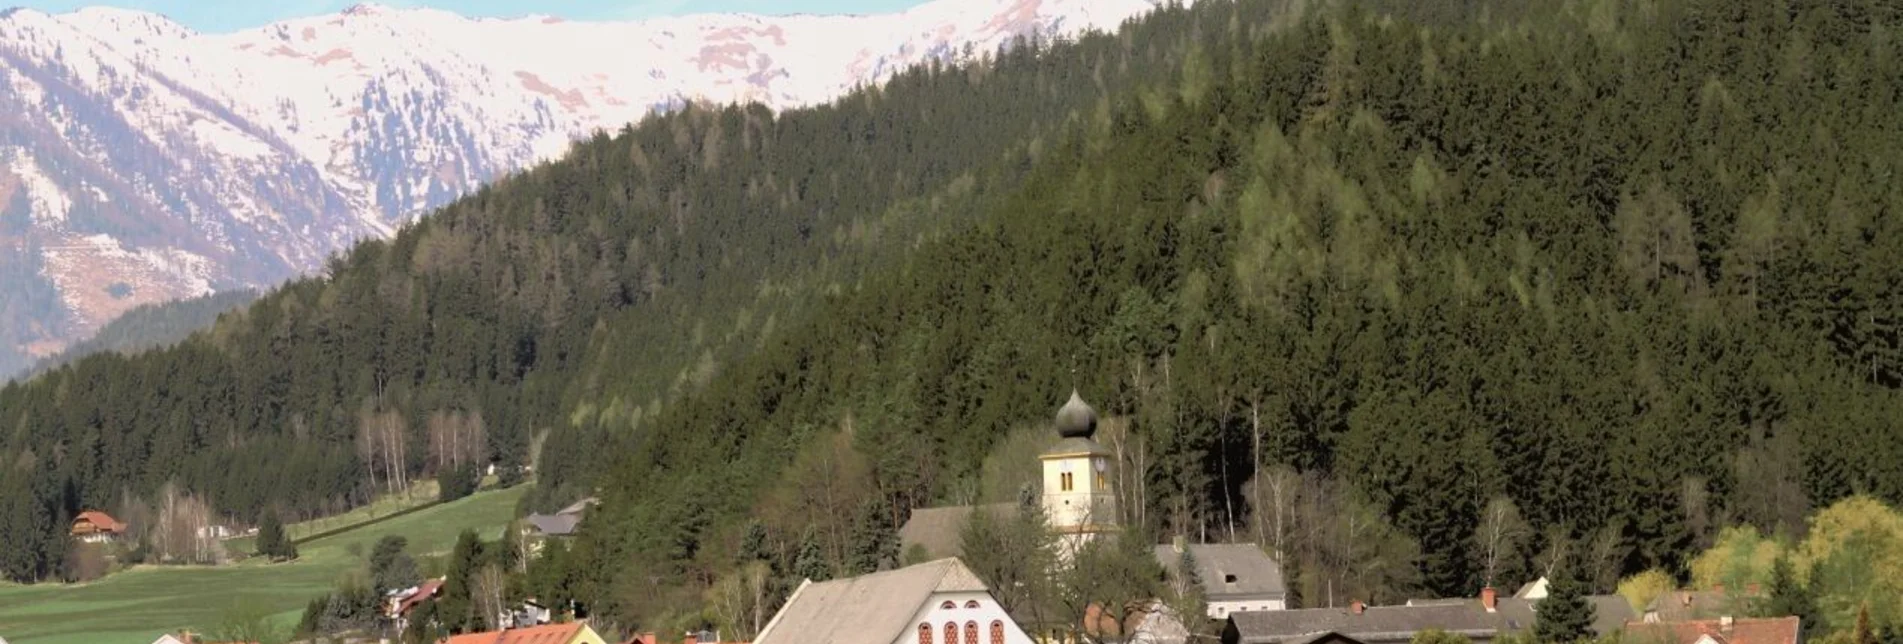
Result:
x=948 y=605
x=971 y=604
x=1228 y=579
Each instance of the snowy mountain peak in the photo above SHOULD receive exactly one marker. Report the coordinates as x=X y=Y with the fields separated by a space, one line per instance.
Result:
x=149 y=161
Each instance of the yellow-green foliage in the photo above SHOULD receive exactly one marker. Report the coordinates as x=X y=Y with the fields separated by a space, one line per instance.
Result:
x=1740 y=557
x=1853 y=557
x=1639 y=590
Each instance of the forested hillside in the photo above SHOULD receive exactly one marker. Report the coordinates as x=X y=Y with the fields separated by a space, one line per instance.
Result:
x=1611 y=280
x=566 y=303
x=1626 y=271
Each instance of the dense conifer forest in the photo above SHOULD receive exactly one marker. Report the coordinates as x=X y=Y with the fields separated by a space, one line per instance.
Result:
x=1622 y=273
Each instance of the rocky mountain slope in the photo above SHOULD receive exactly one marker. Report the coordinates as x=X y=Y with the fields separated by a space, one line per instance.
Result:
x=141 y=161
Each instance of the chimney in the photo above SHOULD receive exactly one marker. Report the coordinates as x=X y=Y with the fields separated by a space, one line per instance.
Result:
x=1357 y=607
x=1180 y=542
x=1724 y=623
x=1489 y=598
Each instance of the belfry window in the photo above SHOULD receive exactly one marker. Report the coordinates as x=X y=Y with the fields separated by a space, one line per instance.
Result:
x=1065 y=482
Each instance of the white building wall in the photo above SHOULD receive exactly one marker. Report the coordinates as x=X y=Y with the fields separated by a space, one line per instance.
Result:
x=1222 y=609
x=986 y=612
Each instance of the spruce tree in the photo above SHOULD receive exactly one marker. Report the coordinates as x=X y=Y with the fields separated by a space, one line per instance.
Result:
x=1564 y=615
x=1788 y=598
x=810 y=563
x=272 y=542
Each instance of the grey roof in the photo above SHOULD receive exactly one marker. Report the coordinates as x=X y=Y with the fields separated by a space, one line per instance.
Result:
x=554 y=525
x=1399 y=623
x=939 y=530
x=1077 y=445
x=1229 y=570
x=870 y=609
x=1686 y=605
x=579 y=507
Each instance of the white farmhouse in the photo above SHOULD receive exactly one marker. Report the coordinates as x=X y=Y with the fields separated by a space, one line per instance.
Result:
x=940 y=602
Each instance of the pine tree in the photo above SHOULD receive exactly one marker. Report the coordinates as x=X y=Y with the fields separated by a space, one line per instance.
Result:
x=272 y=542
x=1564 y=615
x=810 y=563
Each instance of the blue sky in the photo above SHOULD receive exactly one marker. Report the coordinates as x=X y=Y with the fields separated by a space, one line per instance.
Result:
x=214 y=16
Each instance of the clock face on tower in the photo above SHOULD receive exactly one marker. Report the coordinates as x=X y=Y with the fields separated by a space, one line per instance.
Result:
x=1102 y=465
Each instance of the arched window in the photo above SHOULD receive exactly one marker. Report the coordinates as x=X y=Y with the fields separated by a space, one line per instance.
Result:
x=971 y=604
x=951 y=632
x=948 y=605
x=924 y=633
x=997 y=631
x=971 y=632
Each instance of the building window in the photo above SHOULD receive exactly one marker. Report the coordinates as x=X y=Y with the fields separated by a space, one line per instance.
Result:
x=971 y=632
x=971 y=604
x=997 y=631
x=1064 y=481
x=948 y=605
x=924 y=634
x=951 y=633
x=1103 y=482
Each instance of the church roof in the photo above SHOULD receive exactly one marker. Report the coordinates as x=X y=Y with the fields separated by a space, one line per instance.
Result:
x=941 y=530
x=869 y=609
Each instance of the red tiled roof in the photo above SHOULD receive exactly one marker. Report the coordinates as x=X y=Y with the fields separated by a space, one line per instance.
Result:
x=550 y=634
x=101 y=521
x=1777 y=630
x=423 y=593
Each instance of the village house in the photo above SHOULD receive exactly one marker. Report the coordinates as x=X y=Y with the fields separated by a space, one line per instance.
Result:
x=1724 y=630
x=537 y=529
x=1480 y=620
x=398 y=603
x=1234 y=577
x=940 y=602
x=570 y=633
x=94 y=526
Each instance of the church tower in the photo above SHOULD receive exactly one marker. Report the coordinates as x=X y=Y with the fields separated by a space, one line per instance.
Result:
x=1079 y=497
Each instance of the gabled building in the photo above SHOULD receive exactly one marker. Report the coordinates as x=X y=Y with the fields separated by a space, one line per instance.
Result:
x=1234 y=576
x=941 y=602
x=94 y=526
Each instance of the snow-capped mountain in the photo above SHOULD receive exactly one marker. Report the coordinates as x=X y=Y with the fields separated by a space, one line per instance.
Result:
x=142 y=161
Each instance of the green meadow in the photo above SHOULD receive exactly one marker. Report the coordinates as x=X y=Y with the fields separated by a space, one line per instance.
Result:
x=137 y=605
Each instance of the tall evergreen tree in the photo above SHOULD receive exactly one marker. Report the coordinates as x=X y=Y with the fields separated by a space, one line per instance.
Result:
x=1564 y=616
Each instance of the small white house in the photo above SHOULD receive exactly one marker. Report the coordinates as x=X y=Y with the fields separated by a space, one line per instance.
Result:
x=1235 y=577
x=940 y=602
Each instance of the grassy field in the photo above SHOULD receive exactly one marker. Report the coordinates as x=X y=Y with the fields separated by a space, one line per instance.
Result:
x=136 y=606
x=423 y=493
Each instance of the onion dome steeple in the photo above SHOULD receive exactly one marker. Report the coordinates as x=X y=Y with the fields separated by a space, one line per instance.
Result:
x=1076 y=419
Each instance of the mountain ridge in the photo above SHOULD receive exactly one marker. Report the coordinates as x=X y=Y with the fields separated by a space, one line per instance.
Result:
x=151 y=162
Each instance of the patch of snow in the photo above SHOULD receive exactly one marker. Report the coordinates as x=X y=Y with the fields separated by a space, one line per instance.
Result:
x=48 y=203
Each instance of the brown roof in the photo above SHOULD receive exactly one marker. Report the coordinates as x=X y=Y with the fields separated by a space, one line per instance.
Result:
x=1777 y=630
x=423 y=593
x=550 y=634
